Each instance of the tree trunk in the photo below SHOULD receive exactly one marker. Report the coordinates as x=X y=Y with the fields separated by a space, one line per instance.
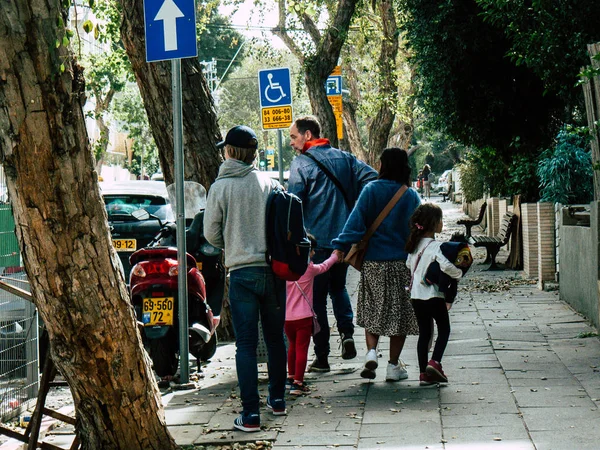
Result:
x=63 y=234
x=380 y=127
x=515 y=258
x=351 y=131
x=200 y=128
x=319 y=65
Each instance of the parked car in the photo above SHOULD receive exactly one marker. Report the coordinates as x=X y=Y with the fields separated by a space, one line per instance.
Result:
x=442 y=184
x=128 y=233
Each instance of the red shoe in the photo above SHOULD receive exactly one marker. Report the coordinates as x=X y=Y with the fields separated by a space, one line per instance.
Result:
x=426 y=380
x=434 y=370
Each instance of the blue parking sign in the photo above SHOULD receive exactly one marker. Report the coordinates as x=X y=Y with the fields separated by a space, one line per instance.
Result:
x=170 y=27
x=275 y=87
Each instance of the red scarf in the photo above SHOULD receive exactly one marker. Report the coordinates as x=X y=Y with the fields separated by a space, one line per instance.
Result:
x=315 y=143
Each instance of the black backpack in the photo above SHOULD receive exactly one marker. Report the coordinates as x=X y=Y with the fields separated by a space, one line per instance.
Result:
x=288 y=247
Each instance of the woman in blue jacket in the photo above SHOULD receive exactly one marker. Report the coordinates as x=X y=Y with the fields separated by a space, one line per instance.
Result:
x=384 y=307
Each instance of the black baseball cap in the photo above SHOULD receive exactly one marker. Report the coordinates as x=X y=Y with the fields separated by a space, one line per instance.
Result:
x=240 y=136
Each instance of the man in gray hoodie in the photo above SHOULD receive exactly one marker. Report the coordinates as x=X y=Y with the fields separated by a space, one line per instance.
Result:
x=235 y=220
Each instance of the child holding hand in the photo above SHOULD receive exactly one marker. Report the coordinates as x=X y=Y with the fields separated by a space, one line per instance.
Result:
x=299 y=318
x=428 y=302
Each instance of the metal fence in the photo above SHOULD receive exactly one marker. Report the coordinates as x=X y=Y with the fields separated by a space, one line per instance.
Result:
x=19 y=368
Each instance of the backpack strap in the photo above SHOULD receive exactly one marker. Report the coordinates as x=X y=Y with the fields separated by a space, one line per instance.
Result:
x=332 y=177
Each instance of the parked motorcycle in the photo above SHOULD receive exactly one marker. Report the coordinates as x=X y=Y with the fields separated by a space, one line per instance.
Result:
x=154 y=288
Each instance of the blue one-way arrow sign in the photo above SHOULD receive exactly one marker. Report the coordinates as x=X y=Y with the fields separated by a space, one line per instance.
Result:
x=170 y=29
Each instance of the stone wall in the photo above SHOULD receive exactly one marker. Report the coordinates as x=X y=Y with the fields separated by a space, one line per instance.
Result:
x=493 y=216
x=529 y=222
x=579 y=263
x=546 y=249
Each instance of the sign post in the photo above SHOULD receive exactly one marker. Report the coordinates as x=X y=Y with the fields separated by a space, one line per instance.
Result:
x=275 y=93
x=333 y=87
x=170 y=27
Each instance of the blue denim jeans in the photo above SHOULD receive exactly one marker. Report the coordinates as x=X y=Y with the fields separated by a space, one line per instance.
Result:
x=333 y=283
x=254 y=291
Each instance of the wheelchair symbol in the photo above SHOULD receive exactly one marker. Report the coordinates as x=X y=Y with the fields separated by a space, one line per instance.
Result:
x=277 y=93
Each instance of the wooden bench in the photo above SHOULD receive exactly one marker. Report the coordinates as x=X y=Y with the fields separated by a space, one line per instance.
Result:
x=468 y=223
x=493 y=243
x=446 y=194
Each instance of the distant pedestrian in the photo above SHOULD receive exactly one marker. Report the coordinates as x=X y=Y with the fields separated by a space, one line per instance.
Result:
x=427 y=176
x=235 y=220
x=383 y=307
x=299 y=318
x=328 y=181
x=428 y=302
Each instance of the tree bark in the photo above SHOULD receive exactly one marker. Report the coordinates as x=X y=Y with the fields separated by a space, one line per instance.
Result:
x=381 y=125
x=200 y=128
x=63 y=234
x=319 y=65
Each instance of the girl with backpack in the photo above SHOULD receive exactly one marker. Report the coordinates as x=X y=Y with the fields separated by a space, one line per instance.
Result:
x=300 y=317
x=428 y=302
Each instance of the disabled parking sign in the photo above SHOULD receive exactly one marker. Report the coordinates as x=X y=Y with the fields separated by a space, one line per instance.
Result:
x=275 y=92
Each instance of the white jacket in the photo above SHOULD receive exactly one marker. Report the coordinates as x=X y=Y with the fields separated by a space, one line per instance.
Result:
x=420 y=290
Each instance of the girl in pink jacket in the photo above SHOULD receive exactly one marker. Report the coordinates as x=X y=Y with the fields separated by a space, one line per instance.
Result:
x=299 y=318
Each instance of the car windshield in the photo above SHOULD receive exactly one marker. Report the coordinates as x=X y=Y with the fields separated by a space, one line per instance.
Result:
x=119 y=205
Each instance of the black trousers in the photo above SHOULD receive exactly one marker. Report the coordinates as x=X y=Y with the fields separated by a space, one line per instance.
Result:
x=425 y=310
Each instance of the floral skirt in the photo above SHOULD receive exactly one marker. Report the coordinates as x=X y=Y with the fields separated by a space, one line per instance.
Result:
x=384 y=306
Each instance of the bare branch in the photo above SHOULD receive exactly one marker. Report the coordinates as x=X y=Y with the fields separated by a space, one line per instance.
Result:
x=311 y=28
x=281 y=31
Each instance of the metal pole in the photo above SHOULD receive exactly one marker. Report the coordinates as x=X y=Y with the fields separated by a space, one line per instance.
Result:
x=180 y=213
x=280 y=154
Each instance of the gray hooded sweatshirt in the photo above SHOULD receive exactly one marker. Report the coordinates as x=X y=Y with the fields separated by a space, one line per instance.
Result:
x=235 y=217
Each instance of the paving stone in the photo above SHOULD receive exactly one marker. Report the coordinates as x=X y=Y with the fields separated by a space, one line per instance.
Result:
x=566 y=396
x=558 y=418
x=503 y=444
x=551 y=440
x=320 y=439
x=404 y=416
x=480 y=420
x=185 y=434
x=478 y=408
x=486 y=434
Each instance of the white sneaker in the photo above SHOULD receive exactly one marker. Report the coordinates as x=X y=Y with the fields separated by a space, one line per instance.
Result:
x=370 y=365
x=396 y=372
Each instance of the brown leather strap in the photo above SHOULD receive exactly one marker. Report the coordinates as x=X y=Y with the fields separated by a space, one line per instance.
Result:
x=383 y=214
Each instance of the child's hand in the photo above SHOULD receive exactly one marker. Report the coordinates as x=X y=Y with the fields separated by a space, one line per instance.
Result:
x=448 y=306
x=340 y=255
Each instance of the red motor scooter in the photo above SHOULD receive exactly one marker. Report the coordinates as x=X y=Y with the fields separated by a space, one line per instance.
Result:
x=154 y=289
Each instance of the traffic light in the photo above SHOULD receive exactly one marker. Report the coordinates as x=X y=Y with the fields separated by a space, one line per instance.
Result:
x=262 y=162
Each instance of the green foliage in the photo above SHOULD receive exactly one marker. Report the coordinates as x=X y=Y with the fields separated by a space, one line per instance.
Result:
x=565 y=170
x=522 y=177
x=129 y=111
x=467 y=86
x=550 y=37
x=471 y=180
x=216 y=39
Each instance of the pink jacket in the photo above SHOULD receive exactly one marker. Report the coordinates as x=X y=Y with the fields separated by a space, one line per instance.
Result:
x=296 y=305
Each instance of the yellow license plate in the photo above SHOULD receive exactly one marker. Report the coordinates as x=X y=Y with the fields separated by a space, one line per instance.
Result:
x=157 y=311
x=125 y=245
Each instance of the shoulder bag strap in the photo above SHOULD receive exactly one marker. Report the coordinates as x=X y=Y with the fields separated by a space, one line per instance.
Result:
x=332 y=177
x=383 y=214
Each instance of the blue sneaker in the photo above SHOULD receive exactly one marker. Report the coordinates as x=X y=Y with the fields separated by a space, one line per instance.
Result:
x=247 y=422
x=277 y=406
